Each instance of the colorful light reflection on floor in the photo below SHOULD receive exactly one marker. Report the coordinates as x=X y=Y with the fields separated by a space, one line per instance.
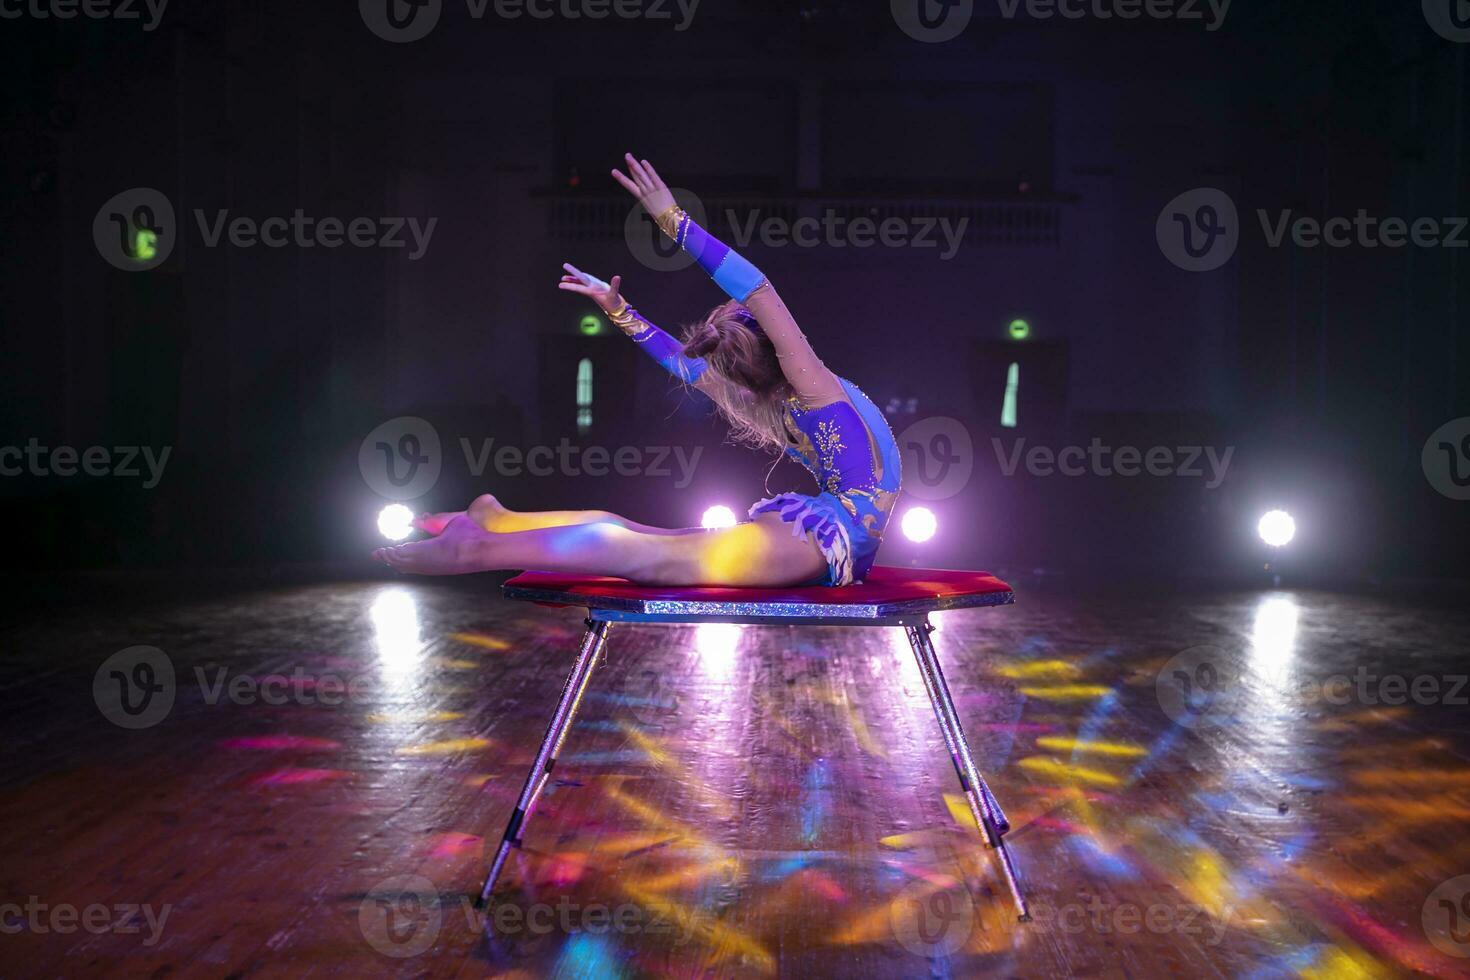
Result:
x=750 y=802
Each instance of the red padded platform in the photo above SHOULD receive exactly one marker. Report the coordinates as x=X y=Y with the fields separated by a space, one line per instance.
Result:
x=883 y=586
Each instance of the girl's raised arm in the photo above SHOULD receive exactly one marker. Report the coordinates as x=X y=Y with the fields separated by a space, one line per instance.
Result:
x=654 y=342
x=743 y=282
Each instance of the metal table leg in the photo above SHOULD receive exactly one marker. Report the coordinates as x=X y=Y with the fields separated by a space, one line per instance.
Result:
x=561 y=723
x=989 y=818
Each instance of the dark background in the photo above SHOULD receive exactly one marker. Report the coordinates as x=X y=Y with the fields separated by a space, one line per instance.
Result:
x=1061 y=140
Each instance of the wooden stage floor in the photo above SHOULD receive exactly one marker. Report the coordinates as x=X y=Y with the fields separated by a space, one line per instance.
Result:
x=319 y=795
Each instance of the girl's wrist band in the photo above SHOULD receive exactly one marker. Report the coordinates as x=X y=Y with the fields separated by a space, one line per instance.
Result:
x=626 y=319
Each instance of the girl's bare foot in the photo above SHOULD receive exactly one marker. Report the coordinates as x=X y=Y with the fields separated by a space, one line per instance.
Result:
x=489 y=513
x=459 y=548
x=484 y=510
x=434 y=524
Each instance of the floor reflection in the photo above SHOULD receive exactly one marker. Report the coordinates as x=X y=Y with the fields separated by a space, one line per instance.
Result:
x=746 y=801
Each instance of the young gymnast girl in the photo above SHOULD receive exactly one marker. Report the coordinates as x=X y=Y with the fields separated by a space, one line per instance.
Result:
x=751 y=358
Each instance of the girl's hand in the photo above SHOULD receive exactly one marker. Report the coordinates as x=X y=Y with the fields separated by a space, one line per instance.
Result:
x=646 y=185
x=604 y=294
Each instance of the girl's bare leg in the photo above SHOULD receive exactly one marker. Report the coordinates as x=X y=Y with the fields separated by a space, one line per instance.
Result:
x=759 y=553
x=491 y=515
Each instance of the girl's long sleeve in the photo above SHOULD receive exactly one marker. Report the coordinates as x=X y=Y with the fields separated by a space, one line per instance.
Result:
x=659 y=345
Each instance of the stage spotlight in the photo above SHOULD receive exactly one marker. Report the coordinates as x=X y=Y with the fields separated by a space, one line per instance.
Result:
x=718 y=516
x=1277 y=528
x=919 y=524
x=396 y=522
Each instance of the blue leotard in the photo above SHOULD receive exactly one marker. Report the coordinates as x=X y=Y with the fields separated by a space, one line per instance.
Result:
x=857 y=489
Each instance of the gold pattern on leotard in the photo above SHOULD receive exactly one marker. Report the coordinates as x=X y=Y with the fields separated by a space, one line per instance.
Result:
x=802 y=444
x=828 y=439
x=626 y=319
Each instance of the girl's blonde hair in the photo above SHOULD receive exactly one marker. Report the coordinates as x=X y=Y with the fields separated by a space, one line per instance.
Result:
x=742 y=376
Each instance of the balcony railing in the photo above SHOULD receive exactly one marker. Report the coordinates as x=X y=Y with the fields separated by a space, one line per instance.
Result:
x=1010 y=223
